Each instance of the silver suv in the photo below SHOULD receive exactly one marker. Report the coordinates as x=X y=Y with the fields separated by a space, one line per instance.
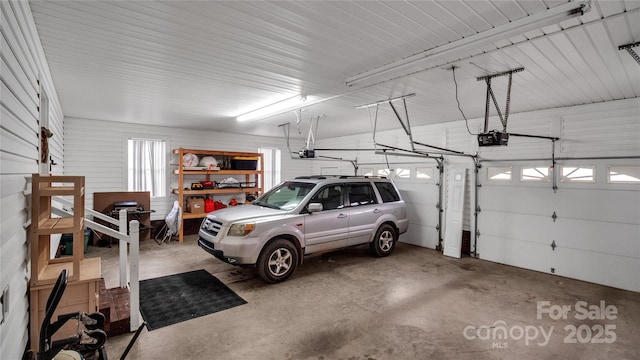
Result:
x=307 y=215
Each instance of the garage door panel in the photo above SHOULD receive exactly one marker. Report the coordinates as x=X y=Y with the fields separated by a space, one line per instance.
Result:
x=421 y=199
x=419 y=193
x=529 y=255
x=598 y=268
x=602 y=237
x=536 y=200
x=601 y=205
x=578 y=264
x=523 y=227
x=420 y=235
x=426 y=217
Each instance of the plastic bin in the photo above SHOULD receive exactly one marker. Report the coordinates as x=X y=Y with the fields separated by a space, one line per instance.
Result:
x=244 y=163
x=67 y=242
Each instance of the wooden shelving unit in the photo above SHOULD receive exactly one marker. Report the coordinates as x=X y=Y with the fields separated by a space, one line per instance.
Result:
x=44 y=224
x=82 y=288
x=250 y=176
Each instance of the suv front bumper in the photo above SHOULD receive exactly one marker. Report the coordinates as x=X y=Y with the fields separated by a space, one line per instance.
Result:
x=233 y=248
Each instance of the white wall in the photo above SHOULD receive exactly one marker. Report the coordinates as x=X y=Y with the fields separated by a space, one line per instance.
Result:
x=97 y=150
x=23 y=63
x=597 y=241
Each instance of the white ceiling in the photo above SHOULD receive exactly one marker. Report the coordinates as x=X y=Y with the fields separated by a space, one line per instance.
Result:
x=197 y=64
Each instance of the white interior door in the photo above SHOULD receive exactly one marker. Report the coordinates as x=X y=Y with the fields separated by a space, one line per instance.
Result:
x=454 y=212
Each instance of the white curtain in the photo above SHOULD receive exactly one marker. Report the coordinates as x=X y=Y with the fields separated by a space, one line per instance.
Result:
x=271 y=171
x=147 y=170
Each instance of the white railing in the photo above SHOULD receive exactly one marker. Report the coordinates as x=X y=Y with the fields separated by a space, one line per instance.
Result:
x=132 y=238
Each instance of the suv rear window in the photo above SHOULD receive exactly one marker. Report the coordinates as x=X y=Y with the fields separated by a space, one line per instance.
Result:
x=361 y=194
x=387 y=192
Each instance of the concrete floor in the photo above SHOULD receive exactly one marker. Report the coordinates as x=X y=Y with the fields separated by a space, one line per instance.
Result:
x=414 y=304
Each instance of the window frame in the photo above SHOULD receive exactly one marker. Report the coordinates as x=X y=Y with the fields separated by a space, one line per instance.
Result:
x=510 y=172
x=541 y=180
x=165 y=172
x=274 y=174
x=421 y=169
x=397 y=196
x=565 y=180
x=402 y=173
x=612 y=182
x=372 y=193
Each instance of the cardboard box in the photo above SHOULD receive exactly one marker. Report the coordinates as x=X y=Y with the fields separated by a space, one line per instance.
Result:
x=195 y=205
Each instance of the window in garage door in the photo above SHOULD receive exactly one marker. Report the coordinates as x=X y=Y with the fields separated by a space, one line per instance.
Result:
x=499 y=173
x=537 y=173
x=578 y=174
x=424 y=173
x=624 y=174
x=403 y=173
x=366 y=171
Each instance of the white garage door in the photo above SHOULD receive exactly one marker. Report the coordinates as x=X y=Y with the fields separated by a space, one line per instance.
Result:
x=418 y=185
x=594 y=234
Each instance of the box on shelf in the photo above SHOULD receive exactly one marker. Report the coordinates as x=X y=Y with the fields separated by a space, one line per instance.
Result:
x=67 y=242
x=244 y=163
x=195 y=205
x=207 y=184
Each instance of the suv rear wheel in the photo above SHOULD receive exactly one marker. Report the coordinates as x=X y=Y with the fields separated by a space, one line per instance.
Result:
x=277 y=261
x=384 y=241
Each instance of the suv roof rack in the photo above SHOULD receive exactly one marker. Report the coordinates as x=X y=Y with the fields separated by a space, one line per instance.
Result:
x=312 y=177
x=361 y=177
x=322 y=177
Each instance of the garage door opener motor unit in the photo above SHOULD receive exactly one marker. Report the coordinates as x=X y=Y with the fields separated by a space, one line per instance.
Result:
x=493 y=138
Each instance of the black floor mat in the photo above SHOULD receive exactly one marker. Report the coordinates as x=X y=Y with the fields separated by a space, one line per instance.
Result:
x=171 y=299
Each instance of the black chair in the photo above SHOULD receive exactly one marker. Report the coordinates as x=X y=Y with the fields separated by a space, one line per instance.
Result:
x=89 y=343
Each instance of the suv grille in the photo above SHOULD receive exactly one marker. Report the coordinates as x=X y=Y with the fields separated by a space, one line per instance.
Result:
x=212 y=226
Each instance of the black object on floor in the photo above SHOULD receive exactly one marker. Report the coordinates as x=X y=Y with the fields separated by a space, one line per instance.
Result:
x=171 y=299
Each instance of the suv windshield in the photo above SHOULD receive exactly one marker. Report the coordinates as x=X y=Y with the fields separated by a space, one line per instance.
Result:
x=285 y=196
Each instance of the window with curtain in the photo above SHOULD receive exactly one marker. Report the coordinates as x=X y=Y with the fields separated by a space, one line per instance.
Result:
x=147 y=169
x=271 y=171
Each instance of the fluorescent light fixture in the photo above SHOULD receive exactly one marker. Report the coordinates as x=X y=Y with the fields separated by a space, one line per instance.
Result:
x=517 y=27
x=273 y=109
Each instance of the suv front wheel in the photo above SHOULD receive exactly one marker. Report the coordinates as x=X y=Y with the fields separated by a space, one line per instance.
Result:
x=384 y=241
x=277 y=261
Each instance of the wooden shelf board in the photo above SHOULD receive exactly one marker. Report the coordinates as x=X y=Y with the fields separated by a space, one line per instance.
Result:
x=58 y=191
x=58 y=226
x=217 y=172
x=214 y=152
x=89 y=271
x=186 y=215
x=217 y=191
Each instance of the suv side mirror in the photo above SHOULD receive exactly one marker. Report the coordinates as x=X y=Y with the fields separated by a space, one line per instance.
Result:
x=314 y=207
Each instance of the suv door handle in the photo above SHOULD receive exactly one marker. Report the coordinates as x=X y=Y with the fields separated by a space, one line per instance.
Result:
x=342 y=216
x=375 y=211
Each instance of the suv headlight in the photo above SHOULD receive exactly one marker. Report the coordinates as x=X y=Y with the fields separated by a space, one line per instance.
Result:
x=241 y=229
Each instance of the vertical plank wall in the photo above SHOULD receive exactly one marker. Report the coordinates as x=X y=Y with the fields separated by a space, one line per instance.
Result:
x=23 y=64
x=97 y=150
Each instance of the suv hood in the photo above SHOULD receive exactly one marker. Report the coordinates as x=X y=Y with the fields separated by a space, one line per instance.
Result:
x=245 y=213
